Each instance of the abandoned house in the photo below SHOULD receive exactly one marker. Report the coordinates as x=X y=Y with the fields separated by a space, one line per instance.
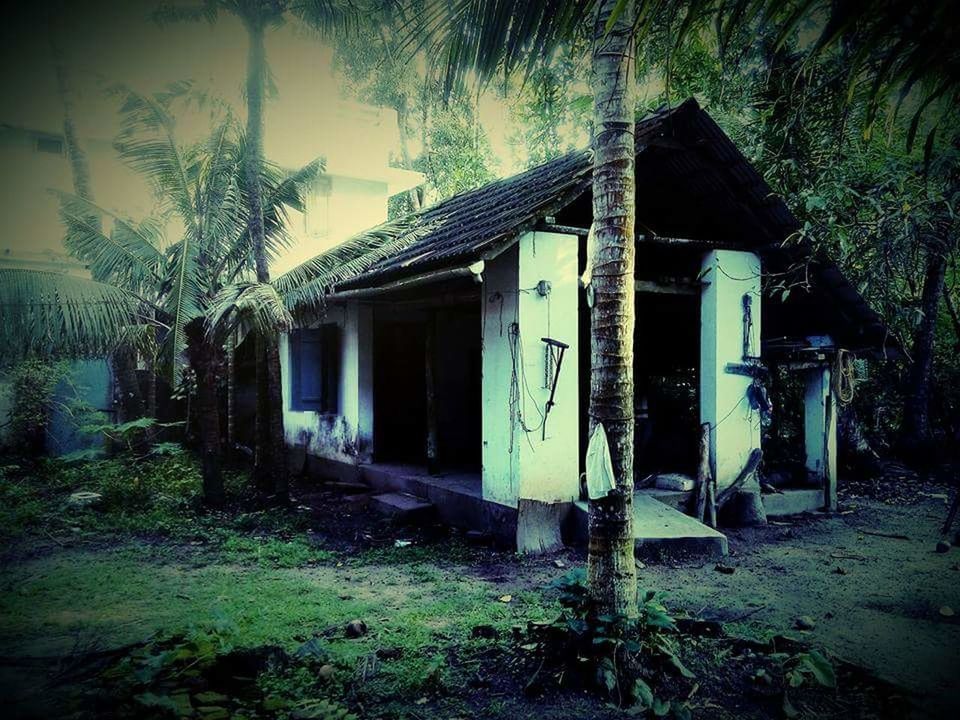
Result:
x=451 y=370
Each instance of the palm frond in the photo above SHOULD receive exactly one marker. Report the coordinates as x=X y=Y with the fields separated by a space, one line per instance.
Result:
x=128 y=255
x=491 y=37
x=168 y=13
x=305 y=287
x=56 y=315
x=147 y=144
x=281 y=191
x=183 y=301
x=328 y=16
x=248 y=306
x=897 y=49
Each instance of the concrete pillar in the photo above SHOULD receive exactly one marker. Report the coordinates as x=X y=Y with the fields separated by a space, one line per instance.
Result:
x=520 y=460
x=357 y=376
x=725 y=337
x=820 y=432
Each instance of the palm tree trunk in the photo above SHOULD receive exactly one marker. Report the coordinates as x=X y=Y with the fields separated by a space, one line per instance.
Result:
x=611 y=566
x=206 y=362
x=270 y=468
x=916 y=434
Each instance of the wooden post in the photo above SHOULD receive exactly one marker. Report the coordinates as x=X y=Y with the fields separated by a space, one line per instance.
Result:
x=430 y=358
x=753 y=462
x=703 y=471
x=829 y=446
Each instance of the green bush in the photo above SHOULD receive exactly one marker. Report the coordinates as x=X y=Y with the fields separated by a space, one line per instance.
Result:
x=171 y=483
x=32 y=386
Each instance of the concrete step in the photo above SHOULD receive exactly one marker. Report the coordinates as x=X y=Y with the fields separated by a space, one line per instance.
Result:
x=793 y=502
x=393 y=478
x=346 y=488
x=662 y=531
x=403 y=507
x=677 y=499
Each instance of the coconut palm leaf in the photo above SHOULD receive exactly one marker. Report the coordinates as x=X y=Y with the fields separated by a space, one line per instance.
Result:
x=897 y=49
x=305 y=287
x=57 y=315
x=248 y=306
x=491 y=37
x=281 y=191
x=128 y=255
x=147 y=144
x=182 y=300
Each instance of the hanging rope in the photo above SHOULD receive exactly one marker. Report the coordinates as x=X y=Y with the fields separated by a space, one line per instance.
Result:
x=844 y=377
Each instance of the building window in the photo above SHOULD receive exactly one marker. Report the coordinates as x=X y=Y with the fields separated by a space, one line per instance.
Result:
x=315 y=368
x=48 y=144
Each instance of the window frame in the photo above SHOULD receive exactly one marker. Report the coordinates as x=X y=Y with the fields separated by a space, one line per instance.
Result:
x=325 y=340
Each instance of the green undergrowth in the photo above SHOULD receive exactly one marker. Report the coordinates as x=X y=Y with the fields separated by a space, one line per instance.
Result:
x=156 y=500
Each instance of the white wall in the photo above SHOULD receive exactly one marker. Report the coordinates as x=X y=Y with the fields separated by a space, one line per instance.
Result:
x=501 y=437
x=337 y=209
x=518 y=461
x=346 y=435
x=735 y=427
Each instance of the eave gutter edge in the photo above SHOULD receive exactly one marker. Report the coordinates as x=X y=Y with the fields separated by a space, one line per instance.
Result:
x=474 y=270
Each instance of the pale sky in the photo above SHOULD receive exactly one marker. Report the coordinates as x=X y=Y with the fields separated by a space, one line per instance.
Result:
x=117 y=42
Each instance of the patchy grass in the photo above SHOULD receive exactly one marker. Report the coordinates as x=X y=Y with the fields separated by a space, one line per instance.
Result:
x=415 y=614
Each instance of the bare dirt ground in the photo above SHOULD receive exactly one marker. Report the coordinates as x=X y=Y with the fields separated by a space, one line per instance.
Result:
x=876 y=601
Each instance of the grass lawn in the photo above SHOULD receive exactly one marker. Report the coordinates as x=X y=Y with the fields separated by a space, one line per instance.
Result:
x=145 y=606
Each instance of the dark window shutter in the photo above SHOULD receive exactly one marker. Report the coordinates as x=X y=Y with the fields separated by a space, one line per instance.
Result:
x=315 y=368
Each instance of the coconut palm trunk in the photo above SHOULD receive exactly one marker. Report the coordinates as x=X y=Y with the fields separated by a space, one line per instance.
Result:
x=206 y=359
x=611 y=566
x=270 y=469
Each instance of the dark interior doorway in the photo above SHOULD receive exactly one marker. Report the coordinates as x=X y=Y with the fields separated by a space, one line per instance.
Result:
x=458 y=378
x=399 y=392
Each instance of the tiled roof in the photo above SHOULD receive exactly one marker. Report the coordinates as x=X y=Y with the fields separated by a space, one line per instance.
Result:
x=682 y=145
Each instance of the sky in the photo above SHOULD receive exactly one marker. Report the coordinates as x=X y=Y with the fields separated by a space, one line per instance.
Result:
x=109 y=41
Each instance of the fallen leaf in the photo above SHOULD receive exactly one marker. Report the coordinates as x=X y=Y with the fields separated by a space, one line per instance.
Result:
x=946 y=611
x=505 y=598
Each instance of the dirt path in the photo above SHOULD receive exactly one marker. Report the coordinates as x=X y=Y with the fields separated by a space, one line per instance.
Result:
x=874 y=600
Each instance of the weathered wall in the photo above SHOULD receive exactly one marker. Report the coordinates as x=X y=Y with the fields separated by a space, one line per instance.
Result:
x=345 y=435
x=89 y=383
x=735 y=427
x=518 y=460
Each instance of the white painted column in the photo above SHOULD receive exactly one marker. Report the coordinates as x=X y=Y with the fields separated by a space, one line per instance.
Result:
x=728 y=276
x=820 y=432
x=519 y=461
x=550 y=468
x=356 y=379
x=365 y=418
x=501 y=437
